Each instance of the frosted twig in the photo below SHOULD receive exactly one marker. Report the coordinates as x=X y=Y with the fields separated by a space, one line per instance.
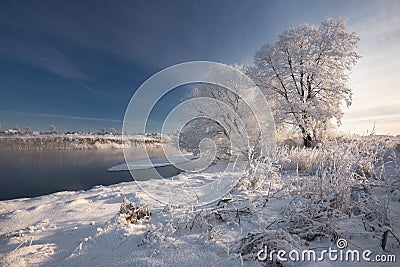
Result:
x=23 y=242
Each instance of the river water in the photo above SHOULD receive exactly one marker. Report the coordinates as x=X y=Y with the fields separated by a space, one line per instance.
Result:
x=36 y=173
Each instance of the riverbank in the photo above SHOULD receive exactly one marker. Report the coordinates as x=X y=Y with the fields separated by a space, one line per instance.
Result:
x=74 y=141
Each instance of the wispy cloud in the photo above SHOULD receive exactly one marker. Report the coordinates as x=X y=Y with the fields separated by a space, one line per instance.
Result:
x=60 y=116
x=127 y=35
x=385 y=117
x=102 y=93
x=30 y=49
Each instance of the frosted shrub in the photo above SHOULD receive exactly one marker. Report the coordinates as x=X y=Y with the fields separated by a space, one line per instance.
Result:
x=131 y=213
x=309 y=218
x=260 y=175
x=337 y=181
x=248 y=247
x=296 y=159
x=357 y=158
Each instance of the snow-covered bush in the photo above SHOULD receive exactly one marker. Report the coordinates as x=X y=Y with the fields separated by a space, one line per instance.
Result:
x=261 y=174
x=248 y=247
x=131 y=213
x=295 y=159
x=312 y=218
x=339 y=180
x=358 y=157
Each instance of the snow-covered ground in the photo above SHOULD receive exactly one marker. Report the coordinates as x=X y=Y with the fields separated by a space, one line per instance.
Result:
x=85 y=228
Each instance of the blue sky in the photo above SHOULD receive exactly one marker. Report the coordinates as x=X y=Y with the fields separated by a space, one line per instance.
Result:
x=76 y=64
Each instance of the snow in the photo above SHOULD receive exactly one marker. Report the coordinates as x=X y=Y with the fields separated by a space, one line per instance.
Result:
x=155 y=162
x=84 y=228
x=80 y=228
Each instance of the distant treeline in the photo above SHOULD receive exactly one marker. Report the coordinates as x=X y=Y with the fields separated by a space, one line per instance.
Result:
x=68 y=142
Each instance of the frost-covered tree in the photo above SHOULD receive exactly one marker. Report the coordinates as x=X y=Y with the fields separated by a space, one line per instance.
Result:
x=304 y=75
x=112 y=131
x=28 y=130
x=226 y=115
x=52 y=128
x=201 y=128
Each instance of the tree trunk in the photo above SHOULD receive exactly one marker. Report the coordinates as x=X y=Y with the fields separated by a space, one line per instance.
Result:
x=307 y=140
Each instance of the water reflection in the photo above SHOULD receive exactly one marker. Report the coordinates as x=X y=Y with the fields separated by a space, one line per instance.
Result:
x=35 y=173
